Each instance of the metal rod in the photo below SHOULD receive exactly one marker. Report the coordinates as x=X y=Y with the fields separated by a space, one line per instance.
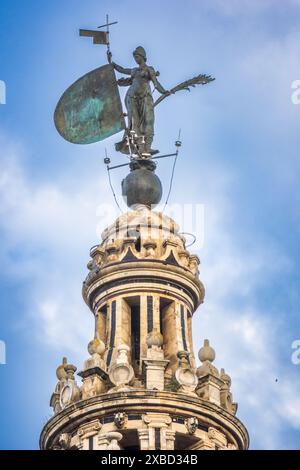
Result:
x=108 y=45
x=126 y=164
x=107 y=24
x=117 y=166
x=164 y=156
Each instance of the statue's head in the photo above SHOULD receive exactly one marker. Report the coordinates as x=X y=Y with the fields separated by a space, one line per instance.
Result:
x=139 y=55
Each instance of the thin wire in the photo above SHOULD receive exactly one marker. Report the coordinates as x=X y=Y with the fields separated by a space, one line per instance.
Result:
x=172 y=174
x=112 y=190
x=191 y=235
x=171 y=181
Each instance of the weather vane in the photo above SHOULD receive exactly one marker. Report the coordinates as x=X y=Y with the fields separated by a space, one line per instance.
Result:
x=91 y=110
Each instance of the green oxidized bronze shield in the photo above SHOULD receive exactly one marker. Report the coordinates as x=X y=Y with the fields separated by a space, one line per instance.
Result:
x=90 y=110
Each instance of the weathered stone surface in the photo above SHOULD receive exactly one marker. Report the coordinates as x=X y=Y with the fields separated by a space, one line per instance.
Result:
x=174 y=408
x=141 y=378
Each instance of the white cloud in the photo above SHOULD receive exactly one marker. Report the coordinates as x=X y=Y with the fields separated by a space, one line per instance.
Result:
x=46 y=234
x=289 y=406
x=246 y=336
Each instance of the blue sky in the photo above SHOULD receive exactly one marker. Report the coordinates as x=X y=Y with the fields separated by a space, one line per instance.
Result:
x=240 y=158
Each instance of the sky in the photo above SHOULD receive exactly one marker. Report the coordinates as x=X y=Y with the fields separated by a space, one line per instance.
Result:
x=239 y=161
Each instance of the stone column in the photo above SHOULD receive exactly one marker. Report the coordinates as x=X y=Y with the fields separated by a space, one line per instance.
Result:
x=119 y=327
x=204 y=444
x=168 y=439
x=86 y=435
x=143 y=327
x=160 y=422
x=123 y=324
x=156 y=315
x=149 y=320
x=218 y=438
x=109 y=339
x=109 y=441
x=100 y=325
x=189 y=336
x=174 y=334
x=181 y=319
x=143 y=438
x=170 y=338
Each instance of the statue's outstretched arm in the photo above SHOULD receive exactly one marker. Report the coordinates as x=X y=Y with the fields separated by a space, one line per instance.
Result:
x=120 y=69
x=160 y=88
x=156 y=83
x=201 y=79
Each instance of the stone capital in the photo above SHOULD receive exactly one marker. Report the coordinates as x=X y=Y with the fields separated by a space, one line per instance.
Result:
x=217 y=437
x=157 y=420
x=89 y=429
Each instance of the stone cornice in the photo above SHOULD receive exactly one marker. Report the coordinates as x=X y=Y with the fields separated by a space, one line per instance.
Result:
x=155 y=270
x=139 y=401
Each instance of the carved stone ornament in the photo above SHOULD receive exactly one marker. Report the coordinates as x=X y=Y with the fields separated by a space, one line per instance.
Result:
x=226 y=395
x=65 y=441
x=186 y=378
x=184 y=374
x=121 y=372
x=120 y=419
x=89 y=429
x=70 y=392
x=157 y=420
x=62 y=377
x=191 y=424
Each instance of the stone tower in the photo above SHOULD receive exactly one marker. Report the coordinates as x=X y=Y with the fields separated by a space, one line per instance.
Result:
x=141 y=388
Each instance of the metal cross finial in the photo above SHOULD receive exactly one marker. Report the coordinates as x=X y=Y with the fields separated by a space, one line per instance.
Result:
x=107 y=24
x=99 y=37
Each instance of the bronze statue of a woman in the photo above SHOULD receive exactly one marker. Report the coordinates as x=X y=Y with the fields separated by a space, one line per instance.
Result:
x=90 y=110
x=139 y=102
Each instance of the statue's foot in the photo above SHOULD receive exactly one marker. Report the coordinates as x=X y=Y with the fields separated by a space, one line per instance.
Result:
x=153 y=152
x=122 y=147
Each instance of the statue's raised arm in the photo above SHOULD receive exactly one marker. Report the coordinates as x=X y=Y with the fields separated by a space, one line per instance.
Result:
x=121 y=69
